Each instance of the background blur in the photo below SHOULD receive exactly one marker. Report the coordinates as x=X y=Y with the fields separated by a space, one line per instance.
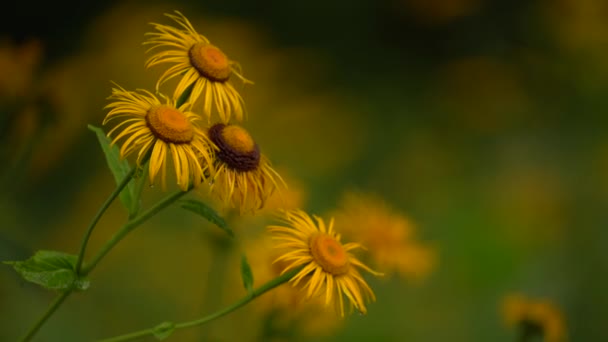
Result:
x=481 y=121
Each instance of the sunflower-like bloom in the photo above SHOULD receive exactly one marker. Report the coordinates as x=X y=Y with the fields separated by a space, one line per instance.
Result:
x=243 y=177
x=534 y=318
x=284 y=307
x=327 y=265
x=199 y=63
x=164 y=129
x=388 y=236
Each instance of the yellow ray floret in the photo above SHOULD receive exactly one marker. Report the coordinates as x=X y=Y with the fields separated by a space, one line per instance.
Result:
x=157 y=130
x=244 y=178
x=327 y=265
x=199 y=63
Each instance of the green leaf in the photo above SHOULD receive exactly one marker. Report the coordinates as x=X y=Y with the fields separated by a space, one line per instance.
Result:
x=185 y=96
x=207 y=212
x=163 y=330
x=120 y=169
x=52 y=270
x=246 y=274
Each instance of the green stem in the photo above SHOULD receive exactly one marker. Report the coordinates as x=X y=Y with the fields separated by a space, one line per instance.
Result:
x=129 y=226
x=100 y=212
x=83 y=246
x=52 y=308
x=243 y=301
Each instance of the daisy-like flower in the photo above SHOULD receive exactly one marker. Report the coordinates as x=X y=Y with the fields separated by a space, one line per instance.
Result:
x=328 y=267
x=199 y=63
x=163 y=129
x=534 y=318
x=244 y=177
x=284 y=308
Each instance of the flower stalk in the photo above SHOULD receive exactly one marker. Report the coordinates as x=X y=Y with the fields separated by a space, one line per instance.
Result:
x=285 y=277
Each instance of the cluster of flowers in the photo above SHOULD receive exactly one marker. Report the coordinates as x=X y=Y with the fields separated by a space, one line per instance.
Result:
x=223 y=156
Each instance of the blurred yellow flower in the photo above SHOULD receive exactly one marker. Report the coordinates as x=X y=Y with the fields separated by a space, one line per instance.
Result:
x=534 y=317
x=327 y=265
x=163 y=129
x=199 y=63
x=387 y=235
x=18 y=66
x=243 y=176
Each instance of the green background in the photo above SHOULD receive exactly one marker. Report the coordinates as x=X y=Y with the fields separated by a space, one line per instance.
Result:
x=482 y=121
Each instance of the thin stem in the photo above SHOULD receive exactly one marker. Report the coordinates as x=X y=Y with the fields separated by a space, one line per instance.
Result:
x=129 y=226
x=54 y=306
x=83 y=246
x=100 y=212
x=243 y=301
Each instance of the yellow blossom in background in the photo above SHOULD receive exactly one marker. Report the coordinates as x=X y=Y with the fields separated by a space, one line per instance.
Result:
x=328 y=268
x=244 y=178
x=199 y=63
x=388 y=236
x=18 y=64
x=534 y=317
x=21 y=115
x=161 y=129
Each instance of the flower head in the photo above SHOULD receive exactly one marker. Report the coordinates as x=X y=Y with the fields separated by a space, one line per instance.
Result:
x=534 y=317
x=200 y=64
x=244 y=177
x=327 y=265
x=387 y=235
x=284 y=307
x=163 y=129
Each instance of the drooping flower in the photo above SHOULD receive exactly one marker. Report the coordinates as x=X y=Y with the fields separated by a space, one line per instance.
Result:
x=327 y=266
x=199 y=63
x=388 y=236
x=284 y=308
x=244 y=178
x=151 y=127
x=534 y=318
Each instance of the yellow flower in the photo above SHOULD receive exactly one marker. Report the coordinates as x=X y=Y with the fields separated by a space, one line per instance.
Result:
x=199 y=63
x=243 y=177
x=284 y=307
x=150 y=125
x=534 y=317
x=387 y=235
x=327 y=265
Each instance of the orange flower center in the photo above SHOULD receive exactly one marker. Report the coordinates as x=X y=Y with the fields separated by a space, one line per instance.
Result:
x=210 y=62
x=329 y=254
x=169 y=125
x=238 y=139
x=236 y=147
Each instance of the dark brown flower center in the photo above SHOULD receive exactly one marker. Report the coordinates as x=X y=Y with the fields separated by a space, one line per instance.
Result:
x=169 y=125
x=236 y=147
x=210 y=62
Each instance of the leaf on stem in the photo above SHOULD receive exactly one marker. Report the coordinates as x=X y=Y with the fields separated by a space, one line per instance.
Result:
x=120 y=168
x=207 y=212
x=246 y=274
x=52 y=270
x=163 y=330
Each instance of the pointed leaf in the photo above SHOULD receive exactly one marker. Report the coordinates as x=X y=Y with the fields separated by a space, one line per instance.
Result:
x=207 y=212
x=185 y=96
x=52 y=270
x=119 y=168
x=163 y=330
x=246 y=274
